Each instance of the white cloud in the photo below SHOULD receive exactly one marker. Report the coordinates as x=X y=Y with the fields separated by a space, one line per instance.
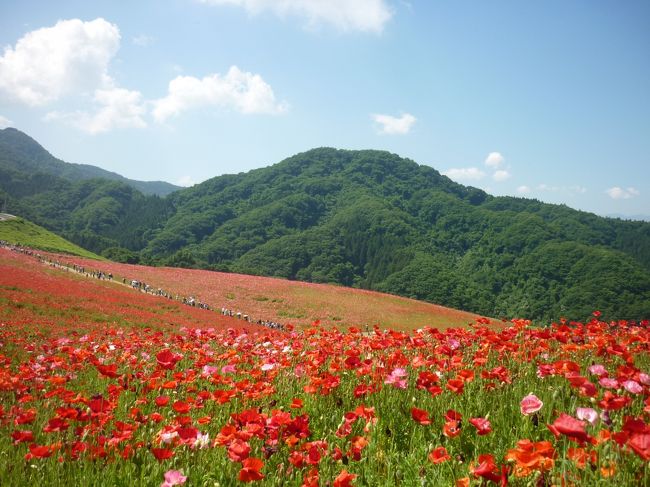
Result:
x=362 y=15
x=49 y=63
x=390 y=125
x=5 y=122
x=622 y=193
x=501 y=175
x=143 y=40
x=186 y=181
x=564 y=189
x=238 y=90
x=523 y=189
x=494 y=160
x=117 y=108
x=465 y=174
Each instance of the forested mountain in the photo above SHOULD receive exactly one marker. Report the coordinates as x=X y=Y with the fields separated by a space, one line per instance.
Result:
x=20 y=153
x=367 y=219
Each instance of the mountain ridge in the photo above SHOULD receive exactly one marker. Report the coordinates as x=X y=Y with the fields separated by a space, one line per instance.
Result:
x=18 y=148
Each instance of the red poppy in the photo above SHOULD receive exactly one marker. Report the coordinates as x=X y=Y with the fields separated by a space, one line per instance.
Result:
x=570 y=427
x=451 y=429
x=612 y=402
x=531 y=457
x=108 y=370
x=310 y=479
x=40 y=451
x=297 y=459
x=56 y=425
x=296 y=403
x=181 y=407
x=344 y=479
x=162 y=401
x=439 y=455
x=162 y=453
x=456 y=385
x=486 y=468
x=482 y=425
x=22 y=436
x=251 y=470
x=452 y=415
x=238 y=450
x=420 y=416
x=167 y=359
x=640 y=444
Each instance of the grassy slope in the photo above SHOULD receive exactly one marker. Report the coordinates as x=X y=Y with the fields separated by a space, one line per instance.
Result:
x=23 y=232
x=292 y=302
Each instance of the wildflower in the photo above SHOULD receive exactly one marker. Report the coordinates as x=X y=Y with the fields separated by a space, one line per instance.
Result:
x=456 y=385
x=581 y=457
x=570 y=427
x=451 y=429
x=228 y=369
x=251 y=470
x=162 y=453
x=420 y=416
x=531 y=457
x=167 y=359
x=530 y=404
x=397 y=378
x=482 y=425
x=612 y=402
x=587 y=414
x=640 y=444
x=633 y=387
x=487 y=469
x=344 y=479
x=439 y=455
x=597 y=369
x=209 y=370
x=608 y=383
x=173 y=477
x=238 y=450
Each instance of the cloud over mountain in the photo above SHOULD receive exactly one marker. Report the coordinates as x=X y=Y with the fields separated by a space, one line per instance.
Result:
x=389 y=125
x=237 y=90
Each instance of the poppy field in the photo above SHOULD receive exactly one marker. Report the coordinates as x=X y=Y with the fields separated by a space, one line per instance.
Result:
x=102 y=385
x=297 y=303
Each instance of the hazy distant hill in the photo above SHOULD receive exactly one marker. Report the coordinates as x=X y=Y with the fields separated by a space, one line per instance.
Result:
x=19 y=152
x=367 y=219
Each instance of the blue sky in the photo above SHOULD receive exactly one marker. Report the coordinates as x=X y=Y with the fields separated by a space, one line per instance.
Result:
x=546 y=99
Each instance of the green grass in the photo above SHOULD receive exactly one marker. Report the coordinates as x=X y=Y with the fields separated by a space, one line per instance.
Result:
x=23 y=232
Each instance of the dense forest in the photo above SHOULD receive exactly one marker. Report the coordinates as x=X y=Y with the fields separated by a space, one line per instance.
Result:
x=366 y=219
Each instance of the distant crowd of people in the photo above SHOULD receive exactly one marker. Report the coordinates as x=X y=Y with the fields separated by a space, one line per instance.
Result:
x=240 y=316
x=138 y=285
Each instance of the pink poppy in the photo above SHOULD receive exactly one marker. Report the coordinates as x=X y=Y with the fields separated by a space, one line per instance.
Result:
x=173 y=477
x=597 y=369
x=587 y=414
x=530 y=405
x=608 y=383
x=633 y=387
x=397 y=378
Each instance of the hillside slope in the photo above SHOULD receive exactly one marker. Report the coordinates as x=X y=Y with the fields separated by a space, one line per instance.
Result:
x=18 y=231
